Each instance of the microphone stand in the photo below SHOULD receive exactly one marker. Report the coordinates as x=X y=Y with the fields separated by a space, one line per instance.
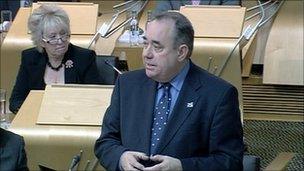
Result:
x=112 y=66
x=75 y=162
x=105 y=32
x=247 y=34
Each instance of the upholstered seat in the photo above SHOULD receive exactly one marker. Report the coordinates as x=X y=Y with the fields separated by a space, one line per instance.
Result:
x=251 y=163
x=107 y=74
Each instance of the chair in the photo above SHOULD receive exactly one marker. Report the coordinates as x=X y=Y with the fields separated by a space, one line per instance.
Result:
x=251 y=163
x=107 y=74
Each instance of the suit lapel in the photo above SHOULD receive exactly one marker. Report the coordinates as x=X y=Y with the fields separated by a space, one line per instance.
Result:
x=186 y=101
x=37 y=70
x=70 y=75
x=70 y=71
x=148 y=90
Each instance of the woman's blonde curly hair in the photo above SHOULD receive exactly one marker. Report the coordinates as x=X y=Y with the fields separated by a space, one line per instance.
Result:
x=44 y=17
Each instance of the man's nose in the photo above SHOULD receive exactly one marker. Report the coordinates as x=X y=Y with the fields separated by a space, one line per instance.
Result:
x=147 y=52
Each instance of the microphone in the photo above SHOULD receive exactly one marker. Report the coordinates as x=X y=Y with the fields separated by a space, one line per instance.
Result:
x=75 y=161
x=117 y=70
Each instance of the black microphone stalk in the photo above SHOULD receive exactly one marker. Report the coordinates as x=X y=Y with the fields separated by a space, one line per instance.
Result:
x=117 y=70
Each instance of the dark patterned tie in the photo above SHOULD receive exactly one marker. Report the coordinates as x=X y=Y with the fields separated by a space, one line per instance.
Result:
x=161 y=114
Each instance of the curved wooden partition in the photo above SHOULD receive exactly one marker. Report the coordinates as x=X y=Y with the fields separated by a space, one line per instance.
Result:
x=54 y=146
x=284 y=61
x=210 y=53
x=18 y=39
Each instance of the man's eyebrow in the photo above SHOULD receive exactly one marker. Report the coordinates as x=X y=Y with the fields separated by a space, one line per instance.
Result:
x=153 y=41
x=156 y=42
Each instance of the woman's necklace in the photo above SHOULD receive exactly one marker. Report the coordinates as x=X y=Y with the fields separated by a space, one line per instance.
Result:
x=54 y=68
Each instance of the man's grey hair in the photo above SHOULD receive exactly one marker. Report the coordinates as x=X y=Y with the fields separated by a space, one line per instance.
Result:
x=47 y=16
x=184 y=32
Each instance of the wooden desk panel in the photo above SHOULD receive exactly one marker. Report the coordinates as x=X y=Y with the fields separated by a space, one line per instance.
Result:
x=17 y=40
x=51 y=145
x=284 y=61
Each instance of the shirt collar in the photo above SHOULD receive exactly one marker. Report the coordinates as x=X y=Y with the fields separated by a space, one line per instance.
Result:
x=178 y=80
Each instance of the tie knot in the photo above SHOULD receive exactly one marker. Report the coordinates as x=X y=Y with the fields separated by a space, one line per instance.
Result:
x=166 y=86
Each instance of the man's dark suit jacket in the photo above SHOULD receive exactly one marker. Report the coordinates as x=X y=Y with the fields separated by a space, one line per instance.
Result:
x=165 y=5
x=32 y=69
x=12 y=153
x=204 y=130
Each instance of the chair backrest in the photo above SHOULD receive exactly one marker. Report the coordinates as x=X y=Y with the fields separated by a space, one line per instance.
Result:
x=107 y=74
x=251 y=163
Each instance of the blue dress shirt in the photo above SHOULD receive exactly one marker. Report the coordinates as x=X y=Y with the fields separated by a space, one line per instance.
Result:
x=176 y=83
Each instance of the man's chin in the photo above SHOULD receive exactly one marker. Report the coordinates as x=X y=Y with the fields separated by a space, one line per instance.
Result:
x=154 y=76
x=149 y=73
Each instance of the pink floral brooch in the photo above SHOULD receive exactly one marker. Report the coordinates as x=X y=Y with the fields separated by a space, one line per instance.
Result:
x=69 y=64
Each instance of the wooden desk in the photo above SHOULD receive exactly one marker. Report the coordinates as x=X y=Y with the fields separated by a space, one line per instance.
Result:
x=17 y=40
x=53 y=145
x=2 y=36
x=284 y=61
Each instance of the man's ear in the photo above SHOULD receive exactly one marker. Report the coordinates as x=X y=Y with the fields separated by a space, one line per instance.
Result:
x=182 y=52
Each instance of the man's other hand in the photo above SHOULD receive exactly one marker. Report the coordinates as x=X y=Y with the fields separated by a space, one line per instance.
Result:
x=165 y=163
x=129 y=160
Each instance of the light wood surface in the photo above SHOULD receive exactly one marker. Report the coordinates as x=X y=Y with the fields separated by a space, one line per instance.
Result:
x=248 y=53
x=66 y=104
x=78 y=12
x=215 y=21
x=280 y=163
x=283 y=63
x=218 y=50
x=53 y=145
x=17 y=40
x=249 y=48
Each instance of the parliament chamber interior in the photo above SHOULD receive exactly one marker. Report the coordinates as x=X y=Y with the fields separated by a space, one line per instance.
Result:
x=256 y=46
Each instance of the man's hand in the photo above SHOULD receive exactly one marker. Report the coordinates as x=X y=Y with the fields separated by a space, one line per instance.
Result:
x=165 y=163
x=129 y=160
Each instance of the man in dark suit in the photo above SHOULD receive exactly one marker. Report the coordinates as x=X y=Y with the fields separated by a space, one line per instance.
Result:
x=172 y=115
x=12 y=153
x=165 y=5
